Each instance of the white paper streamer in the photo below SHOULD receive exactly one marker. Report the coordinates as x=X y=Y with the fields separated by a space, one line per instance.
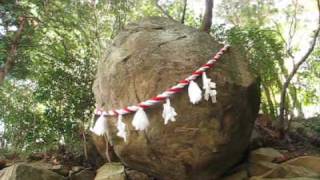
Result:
x=100 y=127
x=169 y=112
x=121 y=128
x=208 y=87
x=195 y=93
x=213 y=94
x=140 y=120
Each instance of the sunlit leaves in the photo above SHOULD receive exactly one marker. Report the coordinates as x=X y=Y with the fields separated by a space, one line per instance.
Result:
x=265 y=54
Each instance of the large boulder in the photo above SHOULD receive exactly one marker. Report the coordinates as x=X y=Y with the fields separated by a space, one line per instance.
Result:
x=153 y=54
x=23 y=171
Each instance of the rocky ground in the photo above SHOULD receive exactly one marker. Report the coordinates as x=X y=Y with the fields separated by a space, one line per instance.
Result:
x=262 y=163
x=268 y=157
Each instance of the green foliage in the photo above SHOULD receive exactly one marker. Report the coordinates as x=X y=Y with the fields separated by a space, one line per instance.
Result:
x=264 y=49
x=56 y=64
x=47 y=97
x=309 y=80
x=247 y=12
x=268 y=33
x=265 y=54
x=316 y=125
x=21 y=114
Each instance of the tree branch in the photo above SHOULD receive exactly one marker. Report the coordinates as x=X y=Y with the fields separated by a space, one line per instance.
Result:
x=184 y=11
x=163 y=11
x=207 y=18
x=296 y=67
x=10 y=60
x=278 y=31
x=293 y=26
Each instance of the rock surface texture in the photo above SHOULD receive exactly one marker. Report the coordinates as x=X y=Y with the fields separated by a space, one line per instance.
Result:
x=22 y=171
x=264 y=154
x=153 y=54
x=111 y=171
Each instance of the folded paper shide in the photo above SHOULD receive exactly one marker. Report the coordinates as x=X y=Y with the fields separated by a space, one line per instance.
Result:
x=168 y=112
x=100 y=126
x=140 y=119
x=121 y=126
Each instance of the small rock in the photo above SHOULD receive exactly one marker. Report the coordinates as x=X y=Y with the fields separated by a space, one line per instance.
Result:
x=85 y=174
x=41 y=165
x=76 y=169
x=298 y=178
x=264 y=154
x=55 y=167
x=290 y=171
x=60 y=169
x=261 y=167
x=111 y=171
x=310 y=162
x=136 y=175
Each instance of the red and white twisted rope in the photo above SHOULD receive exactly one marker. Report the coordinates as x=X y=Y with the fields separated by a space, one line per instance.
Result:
x=166 y=94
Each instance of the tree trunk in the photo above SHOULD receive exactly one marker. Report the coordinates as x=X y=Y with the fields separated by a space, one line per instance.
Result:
x=183 y=17
x=10 y=60
x=291 y=89
x=207 y=18
x=286 y=84
x=271 y=108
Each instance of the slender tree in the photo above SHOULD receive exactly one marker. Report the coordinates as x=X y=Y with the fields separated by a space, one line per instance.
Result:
x=303 y=59
x=183 y=17
x=207 y=18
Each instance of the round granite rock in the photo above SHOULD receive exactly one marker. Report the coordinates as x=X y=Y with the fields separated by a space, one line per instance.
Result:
x=153 y=54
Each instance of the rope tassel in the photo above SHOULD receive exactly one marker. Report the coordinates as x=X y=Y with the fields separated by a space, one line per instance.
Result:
x=100 y=127
x=169 y=112
x=209 y=88
x=121 y=129
x=140 y=120
x=195 y=93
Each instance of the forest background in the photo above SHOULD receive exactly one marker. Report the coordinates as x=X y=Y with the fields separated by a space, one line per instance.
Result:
x=49 y=52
